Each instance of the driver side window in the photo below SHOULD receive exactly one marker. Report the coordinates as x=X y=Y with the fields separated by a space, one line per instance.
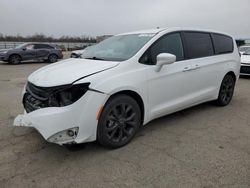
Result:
x=30 y=47
x=170 y=43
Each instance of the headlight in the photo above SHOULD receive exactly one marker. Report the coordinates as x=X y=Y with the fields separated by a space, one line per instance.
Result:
x=68 y=95
x=3 y=52
x=41 y=97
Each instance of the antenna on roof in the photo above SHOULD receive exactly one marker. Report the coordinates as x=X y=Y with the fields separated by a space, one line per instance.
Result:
x=158 y=27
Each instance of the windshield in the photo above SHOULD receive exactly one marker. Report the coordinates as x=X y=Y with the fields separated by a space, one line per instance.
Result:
x=20 y=46
x=244 y=48
x=247 y=52
x=117 y=48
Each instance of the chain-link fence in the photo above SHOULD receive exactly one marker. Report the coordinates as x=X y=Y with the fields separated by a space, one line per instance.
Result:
x=63 y=45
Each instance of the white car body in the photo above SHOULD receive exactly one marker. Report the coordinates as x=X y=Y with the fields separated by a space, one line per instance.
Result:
x=242 y=49
x=245 y=60
x=76 y=53
x=175 y=87
x=245 y=64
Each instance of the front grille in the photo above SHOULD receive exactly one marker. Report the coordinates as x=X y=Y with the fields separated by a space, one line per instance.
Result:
x=35 y=97
x=41 y=97
x=31 y=104
x=38 y=92
x=245 y=69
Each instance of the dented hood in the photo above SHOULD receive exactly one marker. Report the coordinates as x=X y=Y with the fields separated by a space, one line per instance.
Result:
x=68 y=71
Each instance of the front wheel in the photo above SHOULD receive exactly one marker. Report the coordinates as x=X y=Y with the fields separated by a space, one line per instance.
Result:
x=119 y=121
x=226 y=90
x=14 y=59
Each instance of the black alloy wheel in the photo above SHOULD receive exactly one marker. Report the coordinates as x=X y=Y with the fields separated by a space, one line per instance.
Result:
x=226 y=90
x=119 y=121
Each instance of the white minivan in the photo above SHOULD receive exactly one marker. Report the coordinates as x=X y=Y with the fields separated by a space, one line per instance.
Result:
x=128 y=80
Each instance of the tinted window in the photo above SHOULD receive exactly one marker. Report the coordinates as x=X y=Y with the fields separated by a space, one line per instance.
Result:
x=198 y=44
x=222 y=44
x=170 y=43
x=43 y=46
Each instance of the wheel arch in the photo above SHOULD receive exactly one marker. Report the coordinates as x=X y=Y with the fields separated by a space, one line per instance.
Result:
x=232 y=74
x=15 y=54
x=53 y=54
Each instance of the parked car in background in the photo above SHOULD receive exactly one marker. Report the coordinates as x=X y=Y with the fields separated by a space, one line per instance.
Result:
x=76 y=53
x=128 y=80
x=245 y=62
x=31 y=51
x=244 y=48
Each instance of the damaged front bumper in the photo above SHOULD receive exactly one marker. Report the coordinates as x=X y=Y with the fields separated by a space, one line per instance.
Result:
x=62 y=137
x=76 y=123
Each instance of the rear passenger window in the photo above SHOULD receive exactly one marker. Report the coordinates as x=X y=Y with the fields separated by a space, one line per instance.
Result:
x=43 y=46
x=171 y=43
x=198 y=44
x=222 y=44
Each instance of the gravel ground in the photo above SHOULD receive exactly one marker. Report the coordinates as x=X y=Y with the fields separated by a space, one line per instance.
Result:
x=204 y=146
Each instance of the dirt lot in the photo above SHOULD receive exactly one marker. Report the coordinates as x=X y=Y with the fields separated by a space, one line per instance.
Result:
x=205 y=146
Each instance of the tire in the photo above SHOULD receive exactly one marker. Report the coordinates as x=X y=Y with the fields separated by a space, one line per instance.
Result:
x=119 y=122
x=14 y=59
x=226 y=90
x=52 y=58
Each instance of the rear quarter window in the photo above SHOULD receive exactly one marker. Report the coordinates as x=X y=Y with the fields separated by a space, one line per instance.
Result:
x=222 y=44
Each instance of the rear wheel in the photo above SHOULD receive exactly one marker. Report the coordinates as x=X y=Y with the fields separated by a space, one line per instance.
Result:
x=226 y=90
x=14 y=59
x=52 y=58
x=118 y=122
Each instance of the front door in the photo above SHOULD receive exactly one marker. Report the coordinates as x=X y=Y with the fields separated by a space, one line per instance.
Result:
x=28 y=53
x=175 y=85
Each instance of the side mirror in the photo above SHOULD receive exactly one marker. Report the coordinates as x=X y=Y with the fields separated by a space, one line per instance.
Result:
x=24 y=48
x=164 y=59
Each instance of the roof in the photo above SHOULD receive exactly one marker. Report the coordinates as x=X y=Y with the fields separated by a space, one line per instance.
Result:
x=148 y=31
x=158 y=30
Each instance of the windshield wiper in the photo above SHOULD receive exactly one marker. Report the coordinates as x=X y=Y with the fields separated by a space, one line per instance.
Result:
x=94 y=58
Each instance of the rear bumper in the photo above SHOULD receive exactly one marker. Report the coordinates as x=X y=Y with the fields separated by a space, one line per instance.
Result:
x=60 y=56
x=245 y=69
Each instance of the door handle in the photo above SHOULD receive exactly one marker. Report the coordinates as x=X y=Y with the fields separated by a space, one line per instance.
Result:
x=196 y=67
x=186 y=69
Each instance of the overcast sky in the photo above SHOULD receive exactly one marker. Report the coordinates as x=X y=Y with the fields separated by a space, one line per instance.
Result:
x=98 y=17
